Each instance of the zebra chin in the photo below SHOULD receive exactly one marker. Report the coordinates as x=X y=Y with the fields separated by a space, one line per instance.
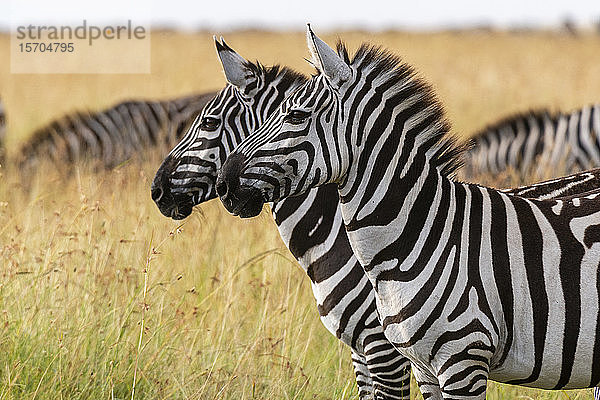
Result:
x=176 y=207
x=172 y=205
x=241 y=200
x=244 y=202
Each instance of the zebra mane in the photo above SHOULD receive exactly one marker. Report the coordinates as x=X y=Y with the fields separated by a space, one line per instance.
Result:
x=395 y=74
x=287 y=75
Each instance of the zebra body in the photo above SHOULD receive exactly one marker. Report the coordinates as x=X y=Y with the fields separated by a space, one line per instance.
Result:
x=471 y=283
x=310 y=225
x=114 y=135
x=533 y=143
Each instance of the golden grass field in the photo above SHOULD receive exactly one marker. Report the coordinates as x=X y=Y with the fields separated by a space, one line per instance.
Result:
x=100 y=294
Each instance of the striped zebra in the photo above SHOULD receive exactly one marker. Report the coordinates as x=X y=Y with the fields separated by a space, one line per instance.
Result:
x=310 y=225
x=109 y=137
x=535 y=142
x=562 y=187
x=186 y=180
x=574 y=184
x=525 y=313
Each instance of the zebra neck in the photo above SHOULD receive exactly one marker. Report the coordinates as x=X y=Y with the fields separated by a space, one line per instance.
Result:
x=388 y=221
x=311 y=226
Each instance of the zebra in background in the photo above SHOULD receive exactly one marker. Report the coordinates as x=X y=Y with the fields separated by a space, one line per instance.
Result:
x=471 y=283
x=310 y=225
x=2 y=133
x=538 y=141
x=112 y=136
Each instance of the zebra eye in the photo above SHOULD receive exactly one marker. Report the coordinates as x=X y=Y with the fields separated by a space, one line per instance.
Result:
x=209 y=124
x=296 y=117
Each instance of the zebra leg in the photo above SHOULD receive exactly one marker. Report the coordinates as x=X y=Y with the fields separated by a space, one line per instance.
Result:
x=596 y=393
x=363 y=376
x=389 y=370
x=428 y=384
x=464 y=379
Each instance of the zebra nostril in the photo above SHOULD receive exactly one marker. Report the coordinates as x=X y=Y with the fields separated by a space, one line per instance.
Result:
x=157 y=193
x=221 y=188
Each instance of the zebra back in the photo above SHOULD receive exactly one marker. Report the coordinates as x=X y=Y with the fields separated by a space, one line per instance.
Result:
x=513 y=141
x=535 y=142
x=575 y=184
x=110 y=137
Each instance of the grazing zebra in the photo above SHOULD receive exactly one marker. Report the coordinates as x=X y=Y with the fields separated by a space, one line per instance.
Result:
x=2 y=132
x=471 y=283
x=310 y=225
x=112 y=136
x=538 y=141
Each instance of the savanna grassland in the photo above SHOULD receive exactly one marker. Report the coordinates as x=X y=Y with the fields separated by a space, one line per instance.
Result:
x=101 y=295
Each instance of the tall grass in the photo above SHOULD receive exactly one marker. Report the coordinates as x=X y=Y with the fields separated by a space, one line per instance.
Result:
x=100 y=294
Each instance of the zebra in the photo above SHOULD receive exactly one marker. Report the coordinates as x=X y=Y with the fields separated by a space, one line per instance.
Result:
x=561 y=187
x=525 y=313
x=168 y=181
x=110 y=137
x=310 y=225
x=537 y=141
x=2 y=132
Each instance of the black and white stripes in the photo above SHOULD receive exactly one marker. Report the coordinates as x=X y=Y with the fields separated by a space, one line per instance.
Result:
x=310 y=225
x=570 y=185
x=471 y=283
x=112 y=136
x=538 y=141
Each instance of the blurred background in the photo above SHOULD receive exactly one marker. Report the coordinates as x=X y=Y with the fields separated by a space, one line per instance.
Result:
x=505 y=56
x=376 y=15
x=87 y=262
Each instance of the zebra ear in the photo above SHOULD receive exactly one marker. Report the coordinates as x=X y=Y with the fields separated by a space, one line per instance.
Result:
x=235 y=66
x=326 y=60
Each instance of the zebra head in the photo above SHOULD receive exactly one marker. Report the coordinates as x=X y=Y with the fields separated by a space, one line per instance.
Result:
x=333 y=128
x=296 y=148
x=187 y=175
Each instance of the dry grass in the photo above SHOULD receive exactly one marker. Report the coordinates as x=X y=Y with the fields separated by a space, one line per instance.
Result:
x=226 y=313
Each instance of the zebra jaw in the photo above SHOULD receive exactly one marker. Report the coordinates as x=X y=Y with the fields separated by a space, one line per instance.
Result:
x=241 y=200
x=176 y=207
x=251 y=206
x=173 y=205
x=181 y=211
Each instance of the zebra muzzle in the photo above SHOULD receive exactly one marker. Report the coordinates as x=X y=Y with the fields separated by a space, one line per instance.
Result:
x=172 y=205
x=243 y=201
